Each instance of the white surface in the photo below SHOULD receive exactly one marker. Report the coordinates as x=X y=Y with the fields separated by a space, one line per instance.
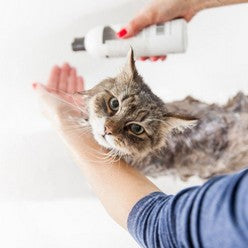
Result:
x=62 y=224
x=44 y=201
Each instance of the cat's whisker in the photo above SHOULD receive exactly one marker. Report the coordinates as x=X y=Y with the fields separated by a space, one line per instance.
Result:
x=73 y=98
x=115 y=154
x=74 y=123
x=75 y=119
x=71 y=131
x=153 y=119
x=55 y=90
x=66 y=111
x=107 y=161
x=64 y=101
x=73 y=127
x=110 y=157
x=109 y=154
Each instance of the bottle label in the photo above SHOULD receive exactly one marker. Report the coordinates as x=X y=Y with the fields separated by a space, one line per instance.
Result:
x=160 y=29
x=108 y=34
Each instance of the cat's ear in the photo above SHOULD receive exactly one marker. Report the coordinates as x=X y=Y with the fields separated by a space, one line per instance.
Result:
x=129 y=68
x=177 y=122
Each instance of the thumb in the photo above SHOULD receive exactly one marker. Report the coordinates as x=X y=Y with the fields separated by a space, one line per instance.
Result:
x=40 y=89
x=48 y=102
x=135 y=25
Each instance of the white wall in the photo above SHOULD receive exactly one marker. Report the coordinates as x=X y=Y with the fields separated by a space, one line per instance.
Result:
x=34 y=35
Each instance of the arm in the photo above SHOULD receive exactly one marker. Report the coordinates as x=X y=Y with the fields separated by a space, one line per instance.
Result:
x=213 y=215
x=116 y=184
x=217 y=3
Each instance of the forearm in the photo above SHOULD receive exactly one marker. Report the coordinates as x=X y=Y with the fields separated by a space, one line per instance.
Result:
x=216 y=3
x=116 y=184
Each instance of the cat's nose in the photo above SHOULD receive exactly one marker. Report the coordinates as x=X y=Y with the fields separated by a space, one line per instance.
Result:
x=107 y=130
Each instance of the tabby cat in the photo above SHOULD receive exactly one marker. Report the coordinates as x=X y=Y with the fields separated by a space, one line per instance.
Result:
x=185 y=137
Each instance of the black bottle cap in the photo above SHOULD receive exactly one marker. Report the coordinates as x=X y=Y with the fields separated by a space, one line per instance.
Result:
x=78 y=44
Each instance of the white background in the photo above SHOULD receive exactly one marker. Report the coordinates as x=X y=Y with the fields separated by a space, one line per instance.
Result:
x=44 y=201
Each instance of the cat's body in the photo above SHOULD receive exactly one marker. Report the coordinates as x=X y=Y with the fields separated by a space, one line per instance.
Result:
x=186 y=137
x=217 y=145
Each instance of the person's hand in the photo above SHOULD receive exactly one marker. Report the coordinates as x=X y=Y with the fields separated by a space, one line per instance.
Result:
x=158 y=11
x=58 y=96
x=64 y=108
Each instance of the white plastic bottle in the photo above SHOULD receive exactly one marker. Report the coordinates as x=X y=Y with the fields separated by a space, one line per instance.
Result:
x=160 y=39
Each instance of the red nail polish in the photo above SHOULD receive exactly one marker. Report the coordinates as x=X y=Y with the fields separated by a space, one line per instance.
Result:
x=122 y=33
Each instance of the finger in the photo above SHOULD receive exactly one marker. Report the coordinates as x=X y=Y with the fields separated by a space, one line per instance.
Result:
x=72 y=81
x=143 y=58
x=154 y=58
x=189 y=16
x=53 y=80
x=80 y=84
x=40 y=89
x=63 y=80
x=34 y=85
x=136 y=25
x=49 y=103
x=162 y=58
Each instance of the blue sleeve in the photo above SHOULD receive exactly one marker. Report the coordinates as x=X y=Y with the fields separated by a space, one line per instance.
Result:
x=213 y=215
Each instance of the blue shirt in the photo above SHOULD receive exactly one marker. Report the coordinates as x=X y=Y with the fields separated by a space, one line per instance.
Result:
x=213 y=215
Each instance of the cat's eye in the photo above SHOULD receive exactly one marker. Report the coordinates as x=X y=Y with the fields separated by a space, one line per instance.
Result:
x=136 y=129
x=114 y=104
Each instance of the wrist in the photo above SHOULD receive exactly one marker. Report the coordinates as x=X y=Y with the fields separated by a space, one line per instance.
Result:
x=205 y=4
x=79 y=140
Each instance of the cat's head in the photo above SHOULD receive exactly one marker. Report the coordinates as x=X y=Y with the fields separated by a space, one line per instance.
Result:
x=126 y=116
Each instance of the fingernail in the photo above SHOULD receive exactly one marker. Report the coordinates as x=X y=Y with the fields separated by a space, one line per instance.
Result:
x=34 y=85
x=122 y=33
x=153 y=59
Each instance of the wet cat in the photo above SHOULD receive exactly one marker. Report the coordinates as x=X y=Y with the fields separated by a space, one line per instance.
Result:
x=185 y=137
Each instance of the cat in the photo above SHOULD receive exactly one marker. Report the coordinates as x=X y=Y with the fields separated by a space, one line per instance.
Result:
x=185 y=138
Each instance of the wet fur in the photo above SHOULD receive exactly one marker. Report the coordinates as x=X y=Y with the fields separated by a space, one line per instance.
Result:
x=217 y=144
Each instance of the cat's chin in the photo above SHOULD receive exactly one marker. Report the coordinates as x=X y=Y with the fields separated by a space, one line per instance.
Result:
x=103 y=141
x=108 y=142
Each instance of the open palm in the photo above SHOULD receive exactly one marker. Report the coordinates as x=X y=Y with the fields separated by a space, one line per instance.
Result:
x=59 y=94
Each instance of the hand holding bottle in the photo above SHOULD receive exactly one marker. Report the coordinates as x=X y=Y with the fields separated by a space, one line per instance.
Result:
x=158 y=11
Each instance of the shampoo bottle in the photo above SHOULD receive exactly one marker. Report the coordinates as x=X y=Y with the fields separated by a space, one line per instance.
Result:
x=155 y=40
